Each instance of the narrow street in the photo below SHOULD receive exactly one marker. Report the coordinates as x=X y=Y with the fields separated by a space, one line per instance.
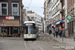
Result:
x=43 y=42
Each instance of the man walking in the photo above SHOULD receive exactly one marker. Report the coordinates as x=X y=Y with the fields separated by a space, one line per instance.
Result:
x=60 y=32
x=56 y=33
x=50 y=31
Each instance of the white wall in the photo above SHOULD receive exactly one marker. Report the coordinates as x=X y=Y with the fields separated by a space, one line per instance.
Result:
x=31 y=14
x=0 y=9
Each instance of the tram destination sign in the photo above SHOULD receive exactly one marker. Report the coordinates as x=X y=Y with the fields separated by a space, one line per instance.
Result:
x=28 y=24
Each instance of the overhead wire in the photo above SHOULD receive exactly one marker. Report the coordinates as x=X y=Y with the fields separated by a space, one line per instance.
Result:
x=29 y=4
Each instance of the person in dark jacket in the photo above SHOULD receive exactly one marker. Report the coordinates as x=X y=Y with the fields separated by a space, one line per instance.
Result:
x=56 y=33
x=50 y=31
x=60 y=32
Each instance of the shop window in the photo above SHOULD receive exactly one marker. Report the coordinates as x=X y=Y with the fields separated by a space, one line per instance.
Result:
x=4 y=29
x=15 y=29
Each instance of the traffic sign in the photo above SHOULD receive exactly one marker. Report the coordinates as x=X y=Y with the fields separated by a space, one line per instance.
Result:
x=69 y=17
x=63 y=21
x=54 y=26
x=63 y=25
x=54 y=21
x=63 y=17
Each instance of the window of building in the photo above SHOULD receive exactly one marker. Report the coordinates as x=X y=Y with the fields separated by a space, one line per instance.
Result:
x=3 y=9
x=15 y=9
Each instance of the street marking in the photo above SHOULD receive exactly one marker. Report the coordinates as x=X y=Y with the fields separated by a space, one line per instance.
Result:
x=38 y=46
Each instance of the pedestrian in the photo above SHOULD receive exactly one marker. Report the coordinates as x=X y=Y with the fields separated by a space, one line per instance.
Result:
x=50 y=31
x=56 y=33
x=60 y=32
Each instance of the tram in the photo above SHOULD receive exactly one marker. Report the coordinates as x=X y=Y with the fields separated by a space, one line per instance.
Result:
x=30 y=30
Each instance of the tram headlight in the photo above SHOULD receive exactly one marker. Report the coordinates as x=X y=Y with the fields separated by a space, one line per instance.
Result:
x=25 y=35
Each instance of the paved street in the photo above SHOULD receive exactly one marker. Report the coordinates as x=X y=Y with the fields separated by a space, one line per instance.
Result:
x=44 y=42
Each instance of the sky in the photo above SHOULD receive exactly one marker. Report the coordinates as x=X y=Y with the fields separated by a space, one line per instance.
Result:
x=36 y=6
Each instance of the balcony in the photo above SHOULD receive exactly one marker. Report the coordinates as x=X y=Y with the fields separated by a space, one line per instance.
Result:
x=57 y=9
x=47 y=13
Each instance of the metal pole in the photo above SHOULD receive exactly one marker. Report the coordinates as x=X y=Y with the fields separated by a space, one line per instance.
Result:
x=3 y=28
x=44 y=26
x=62 y=15
x=13 y=30
x=62 y=35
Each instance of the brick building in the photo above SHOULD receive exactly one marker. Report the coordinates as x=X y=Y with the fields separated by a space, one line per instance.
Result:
x=10 y=16
x=71 y=11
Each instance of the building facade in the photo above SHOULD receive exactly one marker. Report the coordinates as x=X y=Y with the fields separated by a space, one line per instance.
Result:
x=32 y=16
x=46 y=15
x=49 y=26
x=53 y=12
x=10 y=14
x=71 y=23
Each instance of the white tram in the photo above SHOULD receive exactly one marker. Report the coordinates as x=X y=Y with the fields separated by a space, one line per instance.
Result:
x=30 y=30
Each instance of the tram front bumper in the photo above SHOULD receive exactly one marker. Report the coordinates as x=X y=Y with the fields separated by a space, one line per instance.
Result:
x=32 y=36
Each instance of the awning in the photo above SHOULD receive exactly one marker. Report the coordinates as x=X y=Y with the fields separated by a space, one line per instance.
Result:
x=11 y=23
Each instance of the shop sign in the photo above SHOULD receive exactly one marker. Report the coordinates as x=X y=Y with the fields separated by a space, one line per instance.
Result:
x=9 y=17
x=54 y=26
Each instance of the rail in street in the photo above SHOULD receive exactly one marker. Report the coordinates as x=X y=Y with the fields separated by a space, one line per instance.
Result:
x=44 y=42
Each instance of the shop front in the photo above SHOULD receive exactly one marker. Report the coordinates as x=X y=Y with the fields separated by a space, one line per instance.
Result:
x=10 y=28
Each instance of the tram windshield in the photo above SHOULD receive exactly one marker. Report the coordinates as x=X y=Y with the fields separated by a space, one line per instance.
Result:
x=29 y=29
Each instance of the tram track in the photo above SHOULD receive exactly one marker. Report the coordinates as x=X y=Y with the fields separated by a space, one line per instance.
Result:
x=26 y=43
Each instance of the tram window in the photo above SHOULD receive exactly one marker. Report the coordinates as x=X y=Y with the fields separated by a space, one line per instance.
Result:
x=25 y=29
x=29 y=29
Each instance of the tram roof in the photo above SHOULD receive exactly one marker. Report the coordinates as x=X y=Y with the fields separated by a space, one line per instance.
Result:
x=29 y=22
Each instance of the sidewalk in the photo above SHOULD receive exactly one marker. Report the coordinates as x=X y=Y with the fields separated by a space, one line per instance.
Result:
x=65 y=40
